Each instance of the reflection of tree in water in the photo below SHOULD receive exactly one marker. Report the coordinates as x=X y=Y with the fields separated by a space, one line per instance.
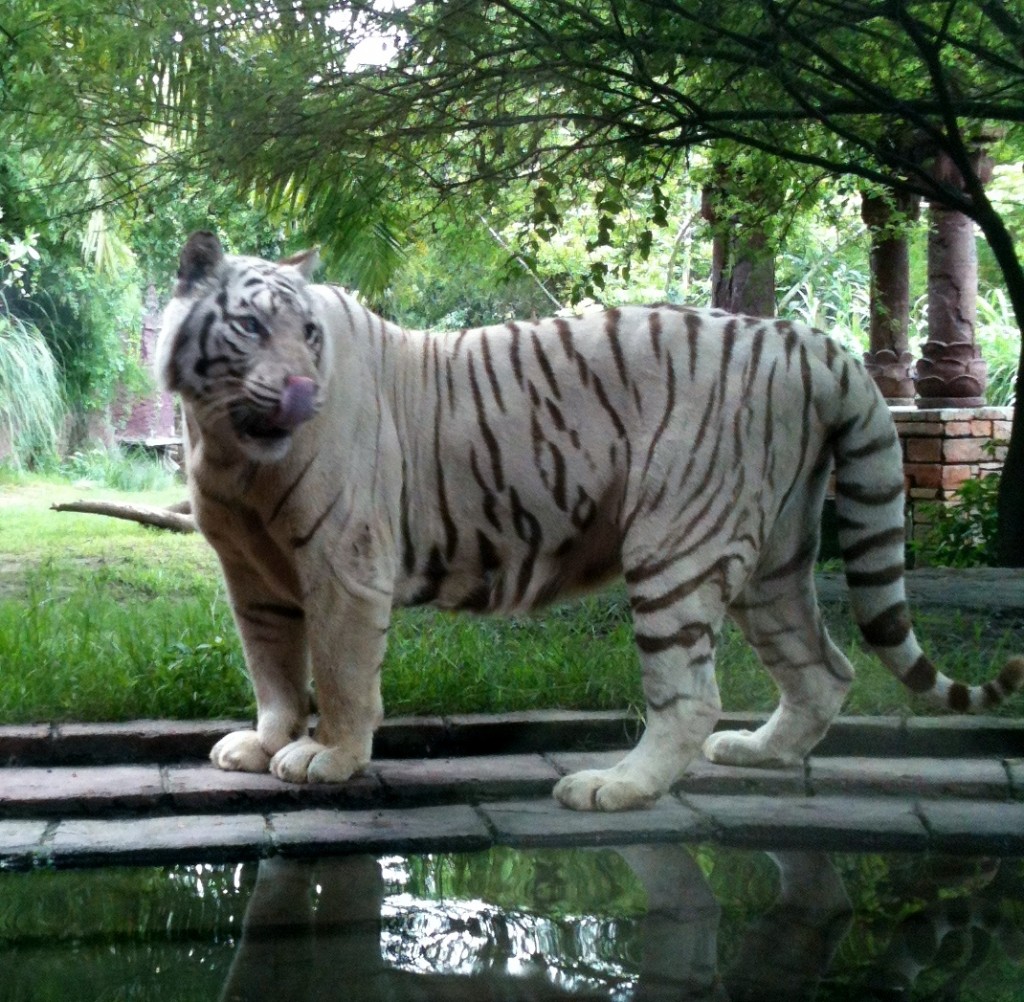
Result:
x=473 y=937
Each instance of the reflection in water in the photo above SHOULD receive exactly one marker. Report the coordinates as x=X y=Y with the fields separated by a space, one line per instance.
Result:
x=698 y=923
x=328 y=930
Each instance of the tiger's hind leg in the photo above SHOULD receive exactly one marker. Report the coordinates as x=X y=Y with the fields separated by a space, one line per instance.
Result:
x=676 y=640
x=779 y=615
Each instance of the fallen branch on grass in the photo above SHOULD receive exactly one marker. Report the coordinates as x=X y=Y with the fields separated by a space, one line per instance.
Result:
x=175 y=517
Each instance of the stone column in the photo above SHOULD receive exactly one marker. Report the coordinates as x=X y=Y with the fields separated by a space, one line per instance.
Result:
x=951 y=371
x=889 y=359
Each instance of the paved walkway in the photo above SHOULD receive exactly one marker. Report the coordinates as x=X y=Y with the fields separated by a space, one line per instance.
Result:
x=982 y=589
x=143 y=793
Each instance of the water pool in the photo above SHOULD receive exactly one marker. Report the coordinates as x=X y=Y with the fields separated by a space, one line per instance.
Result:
x=679 y=922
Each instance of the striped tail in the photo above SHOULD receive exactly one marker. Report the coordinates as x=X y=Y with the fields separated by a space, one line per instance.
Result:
x=870 y=508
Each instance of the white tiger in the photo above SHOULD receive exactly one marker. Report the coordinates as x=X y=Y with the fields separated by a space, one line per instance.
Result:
x=341 y=466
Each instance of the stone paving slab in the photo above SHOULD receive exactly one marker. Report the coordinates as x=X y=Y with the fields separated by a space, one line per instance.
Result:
x=953 y=825
x=455 y=828
x=827 y=822
x=80 y=789
x=985 y=779
x=176 y=839
x=466 y=778
x=198 y=788
x=544 y=822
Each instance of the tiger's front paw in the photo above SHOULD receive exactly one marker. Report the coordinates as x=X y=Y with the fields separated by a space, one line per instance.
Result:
x=308 y=761
x=603 y=790
x=240 y=751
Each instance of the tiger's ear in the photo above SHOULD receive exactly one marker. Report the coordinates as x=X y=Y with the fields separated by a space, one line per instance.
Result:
x=305 y=262
x=200 y=258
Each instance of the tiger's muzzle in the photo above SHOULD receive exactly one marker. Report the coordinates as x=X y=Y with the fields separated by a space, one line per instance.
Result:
x=297 y=403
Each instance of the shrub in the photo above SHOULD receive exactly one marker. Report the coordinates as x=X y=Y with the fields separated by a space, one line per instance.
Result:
x=963 y=533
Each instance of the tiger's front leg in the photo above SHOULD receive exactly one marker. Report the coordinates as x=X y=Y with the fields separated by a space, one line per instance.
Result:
x=347 y=629
x=272 y=629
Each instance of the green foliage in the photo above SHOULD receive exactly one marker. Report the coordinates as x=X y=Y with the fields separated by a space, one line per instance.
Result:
x=119 y=469
x=998 y=337
x=31 y=400
x=81 y=288
x=962 y=533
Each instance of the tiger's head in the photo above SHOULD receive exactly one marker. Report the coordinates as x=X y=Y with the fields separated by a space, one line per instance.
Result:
x=242 y=344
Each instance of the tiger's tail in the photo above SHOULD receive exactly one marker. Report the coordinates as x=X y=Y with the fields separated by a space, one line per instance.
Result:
x=870 y=508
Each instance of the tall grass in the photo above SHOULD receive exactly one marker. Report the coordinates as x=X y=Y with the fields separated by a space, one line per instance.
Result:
x=32 y=408
x=999 y=341
x=121 y=470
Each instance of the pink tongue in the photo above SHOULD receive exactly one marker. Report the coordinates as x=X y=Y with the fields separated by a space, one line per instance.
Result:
x=298 y=402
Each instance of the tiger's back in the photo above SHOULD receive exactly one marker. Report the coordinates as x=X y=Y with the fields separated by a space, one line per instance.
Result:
x=342 y=465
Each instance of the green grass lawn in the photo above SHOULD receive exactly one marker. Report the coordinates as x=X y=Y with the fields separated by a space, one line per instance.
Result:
x=102 y=619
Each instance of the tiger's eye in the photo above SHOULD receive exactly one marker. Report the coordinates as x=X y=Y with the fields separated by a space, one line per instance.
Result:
x=252 y=327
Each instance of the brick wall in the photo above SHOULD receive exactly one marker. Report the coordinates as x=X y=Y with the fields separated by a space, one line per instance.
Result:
x=943 y=448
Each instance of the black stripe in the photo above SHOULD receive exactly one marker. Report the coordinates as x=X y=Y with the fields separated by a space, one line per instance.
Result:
x=670 y=404
x=612 y=320
x=290 y=489
x=408 y=549
x=654 y=328
x=273 y=609
x=529 y=531
x=545 y=366
x=867 y=495
x=693 y=327
x=514 y=353
x=879 y=444
x=557 y=485
x=686 y=636
x=872 y=579
x=642 y=605
x=886 y=539
x=435 y=573
x=602 y=397
x=488 y=436
x=889 y=628
x=564 y=331
x=492 y=376
x=797 y=564
x=959 y=697
x=299 y=541
x=728 y=344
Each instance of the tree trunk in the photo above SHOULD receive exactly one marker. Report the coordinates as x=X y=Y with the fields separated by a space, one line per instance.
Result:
x=742 y=264
x=889 y=358
x=1010 y=536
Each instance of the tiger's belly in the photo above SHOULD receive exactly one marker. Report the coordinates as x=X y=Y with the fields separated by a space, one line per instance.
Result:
x=506 y=576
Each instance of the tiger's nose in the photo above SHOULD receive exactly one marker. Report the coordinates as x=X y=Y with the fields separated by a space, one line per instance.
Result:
x=297 y=403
